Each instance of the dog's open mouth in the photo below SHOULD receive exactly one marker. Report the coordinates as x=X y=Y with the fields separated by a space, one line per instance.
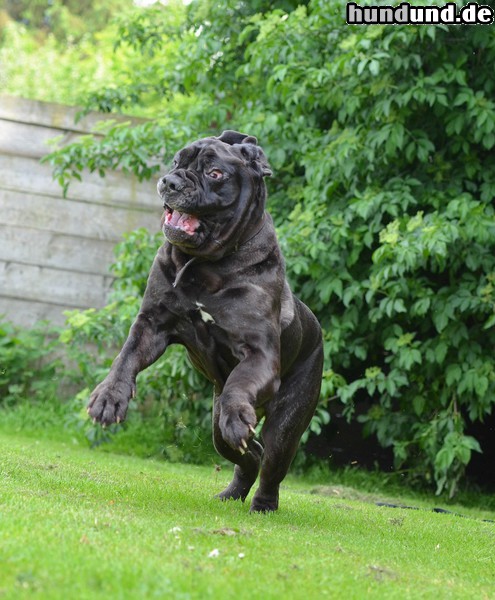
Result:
x=180 y=220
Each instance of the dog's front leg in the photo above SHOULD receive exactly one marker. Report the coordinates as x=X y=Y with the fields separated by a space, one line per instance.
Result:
x=147 y=341
x=253 y=381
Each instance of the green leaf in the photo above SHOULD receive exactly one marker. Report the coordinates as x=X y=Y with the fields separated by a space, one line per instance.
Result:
x=374 y=67
x=444 y=458
x=440 y=319
x=453 y=374
x=419 y=403
x=441 y=352
x=490 y=322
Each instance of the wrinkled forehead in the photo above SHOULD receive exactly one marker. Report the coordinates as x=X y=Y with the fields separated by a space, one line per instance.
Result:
x=205 y=152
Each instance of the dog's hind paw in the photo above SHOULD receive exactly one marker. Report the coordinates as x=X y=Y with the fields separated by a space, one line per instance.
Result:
x=264 y=503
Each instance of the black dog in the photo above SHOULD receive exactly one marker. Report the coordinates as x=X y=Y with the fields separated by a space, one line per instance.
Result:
x=218 y=287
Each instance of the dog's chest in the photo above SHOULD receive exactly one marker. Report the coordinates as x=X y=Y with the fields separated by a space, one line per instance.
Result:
x=200 y=326
x=198 y=314
x=203 y=314
x=197 y=319
x=193 y=299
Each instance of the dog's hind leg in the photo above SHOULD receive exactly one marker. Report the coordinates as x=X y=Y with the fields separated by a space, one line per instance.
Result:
x=247 y=464
x=286 y=419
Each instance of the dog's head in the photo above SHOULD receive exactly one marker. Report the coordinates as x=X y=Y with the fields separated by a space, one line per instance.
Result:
x=214 y=195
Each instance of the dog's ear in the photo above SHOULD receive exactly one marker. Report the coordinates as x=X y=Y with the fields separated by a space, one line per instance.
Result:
x=234 y=137
x=256 y=158
x=253 y=154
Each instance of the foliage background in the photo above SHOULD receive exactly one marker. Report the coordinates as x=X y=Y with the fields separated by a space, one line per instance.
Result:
x=381 y=140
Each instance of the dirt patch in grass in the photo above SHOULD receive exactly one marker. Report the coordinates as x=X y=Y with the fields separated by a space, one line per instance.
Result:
x=348 y=493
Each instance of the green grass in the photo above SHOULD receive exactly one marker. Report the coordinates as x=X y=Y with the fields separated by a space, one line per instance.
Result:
x=75 y=523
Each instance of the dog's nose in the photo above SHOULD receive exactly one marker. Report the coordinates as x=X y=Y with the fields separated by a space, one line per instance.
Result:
x=171 y=183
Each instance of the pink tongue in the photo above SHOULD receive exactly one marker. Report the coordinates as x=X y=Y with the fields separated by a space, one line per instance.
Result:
x=188 y=223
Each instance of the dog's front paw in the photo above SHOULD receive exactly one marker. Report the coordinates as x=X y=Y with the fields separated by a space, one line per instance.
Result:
x=237 y=423
x=109 y=401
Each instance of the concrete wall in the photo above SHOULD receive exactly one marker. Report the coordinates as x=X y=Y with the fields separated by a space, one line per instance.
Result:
x=55 y=252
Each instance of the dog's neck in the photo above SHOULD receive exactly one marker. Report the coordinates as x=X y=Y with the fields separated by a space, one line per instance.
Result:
x=243 y=242
x=237 y=247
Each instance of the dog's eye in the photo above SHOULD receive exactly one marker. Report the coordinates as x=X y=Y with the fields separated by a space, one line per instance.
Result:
x=215 y=174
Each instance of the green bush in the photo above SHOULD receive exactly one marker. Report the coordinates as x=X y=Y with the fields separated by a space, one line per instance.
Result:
x=392 y=241
x=29 y=367
x=381 y=139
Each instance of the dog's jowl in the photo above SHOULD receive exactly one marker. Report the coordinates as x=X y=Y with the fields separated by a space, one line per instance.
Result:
x=218 y=287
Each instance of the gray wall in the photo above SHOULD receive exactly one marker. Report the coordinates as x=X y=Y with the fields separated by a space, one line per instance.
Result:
x=55 y=252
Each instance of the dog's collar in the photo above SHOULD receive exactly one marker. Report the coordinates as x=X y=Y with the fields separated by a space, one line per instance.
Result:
x=237 y=247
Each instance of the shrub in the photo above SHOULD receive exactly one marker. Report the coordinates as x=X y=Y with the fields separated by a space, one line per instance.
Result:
x=29 y=367
x=392 y=241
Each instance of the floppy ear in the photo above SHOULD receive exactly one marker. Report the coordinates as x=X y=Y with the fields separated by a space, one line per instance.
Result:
x=253 y=154
x=234 y=137
x=256 y=158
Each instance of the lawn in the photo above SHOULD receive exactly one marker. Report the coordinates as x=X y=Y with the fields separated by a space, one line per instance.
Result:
x=76 y=523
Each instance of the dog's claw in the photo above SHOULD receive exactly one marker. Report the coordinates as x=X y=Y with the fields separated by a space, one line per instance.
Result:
x=252 y=429
x=94 y=421
x=117 y=420
x=241 y=449
x=244 y=445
